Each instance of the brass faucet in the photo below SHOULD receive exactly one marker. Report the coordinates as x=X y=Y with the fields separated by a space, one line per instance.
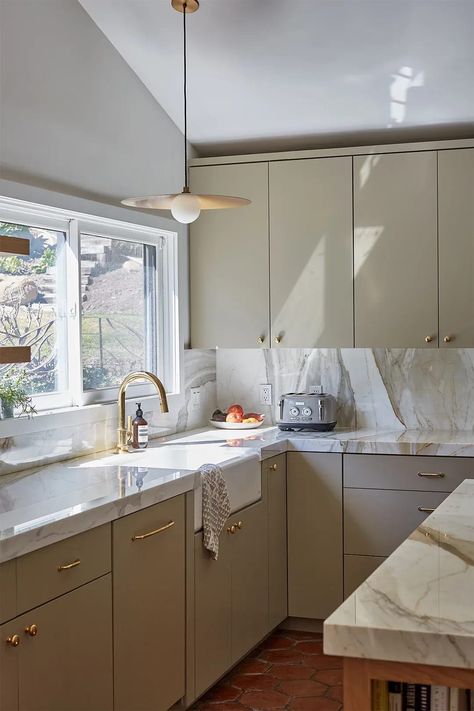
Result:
x=124 y=433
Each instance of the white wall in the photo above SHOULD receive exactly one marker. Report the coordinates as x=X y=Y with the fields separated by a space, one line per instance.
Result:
x=73 y=116
x=76 y=121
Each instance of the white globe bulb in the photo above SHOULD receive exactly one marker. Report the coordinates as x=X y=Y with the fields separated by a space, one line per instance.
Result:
x=185 y=208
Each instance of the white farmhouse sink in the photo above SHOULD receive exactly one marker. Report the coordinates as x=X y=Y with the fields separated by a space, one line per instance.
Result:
x=241 y=471
x=170 y=457
x=244 y=484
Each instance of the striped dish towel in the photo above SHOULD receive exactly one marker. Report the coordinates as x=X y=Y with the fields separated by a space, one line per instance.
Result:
x=215 y=506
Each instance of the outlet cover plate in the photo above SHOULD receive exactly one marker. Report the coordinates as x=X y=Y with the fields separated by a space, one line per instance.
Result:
x=315 y=389
x=266 y=394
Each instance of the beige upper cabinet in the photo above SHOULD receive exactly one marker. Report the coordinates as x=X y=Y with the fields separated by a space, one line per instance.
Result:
x=395 y=250
x=311 y=252
x=456 y=247
x=229 y=260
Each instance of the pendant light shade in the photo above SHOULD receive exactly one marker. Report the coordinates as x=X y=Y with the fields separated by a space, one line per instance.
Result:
x=186 y=207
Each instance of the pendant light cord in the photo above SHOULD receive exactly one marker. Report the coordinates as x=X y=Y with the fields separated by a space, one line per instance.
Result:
x=185 y=89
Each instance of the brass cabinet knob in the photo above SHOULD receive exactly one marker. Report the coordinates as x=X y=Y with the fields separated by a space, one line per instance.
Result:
x=447 y=339
x=239 y=525
x=273 y=467
x=32 y=630
x=277 y=339
x=13 y=640
x=428 y=339
x=231 y=529
x=261 y=339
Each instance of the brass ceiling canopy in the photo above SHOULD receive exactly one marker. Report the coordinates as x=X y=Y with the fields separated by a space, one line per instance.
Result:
x=190 y=5
x=186 y=207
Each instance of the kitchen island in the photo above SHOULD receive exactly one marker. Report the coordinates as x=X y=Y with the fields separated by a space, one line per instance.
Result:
x=412 y=620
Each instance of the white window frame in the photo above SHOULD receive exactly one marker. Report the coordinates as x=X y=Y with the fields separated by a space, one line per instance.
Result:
x=72 y=224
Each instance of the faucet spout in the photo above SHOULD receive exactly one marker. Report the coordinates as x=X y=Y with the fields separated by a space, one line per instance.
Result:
x=123 y=431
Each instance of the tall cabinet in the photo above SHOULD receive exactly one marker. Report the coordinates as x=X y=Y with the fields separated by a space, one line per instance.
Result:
x=229 y=260
x=311 y=252
x=456 y=247
x=395 y=250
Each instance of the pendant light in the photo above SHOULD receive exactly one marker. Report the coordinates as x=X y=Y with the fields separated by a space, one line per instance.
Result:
x=185 y=206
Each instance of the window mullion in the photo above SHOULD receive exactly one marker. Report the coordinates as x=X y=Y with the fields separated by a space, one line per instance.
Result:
x=73 y=269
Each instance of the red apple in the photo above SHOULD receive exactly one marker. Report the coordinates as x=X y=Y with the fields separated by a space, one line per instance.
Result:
x=234 y=417
x=237 y=409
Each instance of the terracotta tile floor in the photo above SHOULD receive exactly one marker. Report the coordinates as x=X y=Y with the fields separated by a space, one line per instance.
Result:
x=288 y=671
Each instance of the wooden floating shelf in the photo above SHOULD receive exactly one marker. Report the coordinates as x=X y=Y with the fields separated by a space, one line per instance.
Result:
x=14 y=245
x=15 y=354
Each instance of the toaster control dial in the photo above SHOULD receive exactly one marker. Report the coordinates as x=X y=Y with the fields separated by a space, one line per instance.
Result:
x=294 y=412
x=307 y=412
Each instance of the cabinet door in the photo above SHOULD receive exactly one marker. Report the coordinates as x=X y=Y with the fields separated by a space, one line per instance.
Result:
x=314 y=483
x=229 y=260
x=9 y=662
x=249 y=579
x=274 y=470
x=357 y=569
x=395 y=250
x=212 y=625
x=311 y=252
x=456 y=247
x=149 y=607
x=67 y=666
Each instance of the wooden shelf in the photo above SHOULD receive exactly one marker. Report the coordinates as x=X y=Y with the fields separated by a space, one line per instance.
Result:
x=14 y=245
x=15 y=354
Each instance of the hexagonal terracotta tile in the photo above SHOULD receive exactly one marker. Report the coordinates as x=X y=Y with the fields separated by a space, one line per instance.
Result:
x=277 y=642
x=302 y=687
x=282 y=656
x=331 y=677
x=264 y=699
x=257 y=682
x=291 y=671
x=316 y=703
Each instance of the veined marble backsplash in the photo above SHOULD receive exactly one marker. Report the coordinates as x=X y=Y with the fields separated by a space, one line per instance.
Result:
x=53 y=444
x=421 y=389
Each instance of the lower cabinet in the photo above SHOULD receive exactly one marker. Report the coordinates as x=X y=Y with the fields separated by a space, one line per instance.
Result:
x=385 y=498
x=230 y=595
x=149 y=607
x=274 y=486
x=357 y=569
x=58 y=657
x=315 y=569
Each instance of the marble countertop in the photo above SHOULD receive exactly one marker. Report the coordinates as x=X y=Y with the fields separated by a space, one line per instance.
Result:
x=47 y=503
x=418 y=606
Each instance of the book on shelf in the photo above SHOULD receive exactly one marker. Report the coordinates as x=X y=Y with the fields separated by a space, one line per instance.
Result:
x=395 y=697
x=439 y=698
x=423 y=698
x=409 y=697
x=459 y=700
x=379 y=695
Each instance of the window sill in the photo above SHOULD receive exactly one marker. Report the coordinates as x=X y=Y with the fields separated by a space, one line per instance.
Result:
x=88 y=415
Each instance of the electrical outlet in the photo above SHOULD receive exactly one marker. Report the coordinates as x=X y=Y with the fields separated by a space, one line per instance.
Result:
x=195 y=398
x=266 y=394
x=315 y=389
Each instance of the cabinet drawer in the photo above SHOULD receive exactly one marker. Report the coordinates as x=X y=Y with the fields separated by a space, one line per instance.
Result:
x=357 y=569
x=387 y=471
x=377 y=521
x=63 y=566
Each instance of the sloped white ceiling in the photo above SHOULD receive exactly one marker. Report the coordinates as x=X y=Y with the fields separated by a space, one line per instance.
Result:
x=285 y=73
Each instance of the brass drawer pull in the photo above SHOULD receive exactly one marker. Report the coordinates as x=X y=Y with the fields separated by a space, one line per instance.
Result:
x=13 y=640
x=68 y=566
x=141 y=536
x=32 y=630
x=273 y=467
x=431 y=475
x=425 y=509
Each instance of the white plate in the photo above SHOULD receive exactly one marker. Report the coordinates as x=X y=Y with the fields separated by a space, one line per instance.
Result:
x=235 y=425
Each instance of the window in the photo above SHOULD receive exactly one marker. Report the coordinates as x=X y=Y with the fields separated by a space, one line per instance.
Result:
x=95 y=300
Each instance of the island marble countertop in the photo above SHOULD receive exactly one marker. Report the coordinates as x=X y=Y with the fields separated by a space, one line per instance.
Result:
x=418 y=606
x=47 y=503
